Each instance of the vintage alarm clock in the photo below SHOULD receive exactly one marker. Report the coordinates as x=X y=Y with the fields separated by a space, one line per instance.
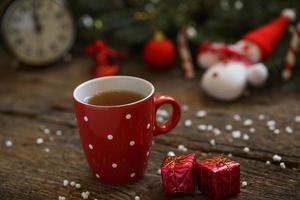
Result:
x=37 y=32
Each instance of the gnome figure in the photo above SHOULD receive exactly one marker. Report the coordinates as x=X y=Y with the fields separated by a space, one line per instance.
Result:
x=231 y=67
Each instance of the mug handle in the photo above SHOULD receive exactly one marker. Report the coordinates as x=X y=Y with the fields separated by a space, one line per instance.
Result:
x=159 y=100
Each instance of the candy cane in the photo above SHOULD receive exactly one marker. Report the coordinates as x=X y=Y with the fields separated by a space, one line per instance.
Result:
x=291 y=54
x=185 y=55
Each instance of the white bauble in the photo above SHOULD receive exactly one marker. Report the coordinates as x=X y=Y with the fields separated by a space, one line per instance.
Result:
x=207 y=59
x=225 y=81
x=257 y=74
x=290 y=13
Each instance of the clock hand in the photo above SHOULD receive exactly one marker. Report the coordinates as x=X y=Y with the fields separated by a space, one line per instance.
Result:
x=36 y=18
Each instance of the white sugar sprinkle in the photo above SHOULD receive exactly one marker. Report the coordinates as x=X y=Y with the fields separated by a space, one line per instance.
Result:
x=114 y=165
x=85 y=195
x=248 y=122
x=228 y=127
x=212 y=142
x=61 y=198
x=297 y=119
x=201 y=114
x=276 y=131
x=288 y=129
x=8 y=143
x=171 y=153
x=261 y=117
x=216 y=131
x=244 y=183
x=110 y=137
x=246 y=136
x=246 y=149
x=77 y=185
x=39 y=141
x=158 y=171
x=282 y=165
x=202 y=127
x=210 y=127
x=148 y=153
x=128 y=116
x=163 y=113
x=271 y=123
x=185 y=107
x=236 y=117
x=268 y=162
x=137 y=198
x=160 y=119
x=271 y=128
x=131 y=143
x=188 y=123
x=236 y=134
x=47 y=150
x=182 y=148
x=72 y=183
x=277 y=158
x=252 y=130
x=65 y=182
x=132 y=175
x=46 y=131
x=97 y=175
x=91 y=146
x=148 y=125
x=229 y=155
x=58 y=132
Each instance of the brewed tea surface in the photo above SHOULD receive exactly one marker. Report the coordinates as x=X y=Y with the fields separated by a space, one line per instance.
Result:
x=114 y=98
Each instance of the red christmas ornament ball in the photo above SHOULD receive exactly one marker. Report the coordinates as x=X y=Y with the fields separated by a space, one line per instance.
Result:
x=159 y=53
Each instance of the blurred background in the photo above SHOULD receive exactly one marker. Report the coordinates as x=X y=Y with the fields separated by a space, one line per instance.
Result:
x=128 y=24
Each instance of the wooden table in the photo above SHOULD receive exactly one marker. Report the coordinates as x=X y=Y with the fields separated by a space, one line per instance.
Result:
x=32 y=100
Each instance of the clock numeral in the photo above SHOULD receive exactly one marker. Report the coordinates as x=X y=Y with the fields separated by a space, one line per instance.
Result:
x=65 y=26
x=59 y=14
x=23 y=9
x=62 y=38
x=37 y=4
x=40 y=52
x=19 y=41
x=28 y=51
x=53 y=47
x=14 y=31
x=17 y=19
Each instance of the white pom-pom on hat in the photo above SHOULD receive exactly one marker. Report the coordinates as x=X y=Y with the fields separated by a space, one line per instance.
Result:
x=289 y=13
x=257 y=74
x=225 y=81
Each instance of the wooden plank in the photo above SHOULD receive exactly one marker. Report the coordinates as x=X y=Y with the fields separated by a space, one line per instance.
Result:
x=31 y=100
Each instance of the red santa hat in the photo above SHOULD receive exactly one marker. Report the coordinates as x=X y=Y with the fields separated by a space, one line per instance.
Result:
x=267 y=36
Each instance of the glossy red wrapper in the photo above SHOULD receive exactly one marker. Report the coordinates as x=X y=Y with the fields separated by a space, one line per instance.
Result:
x=178 y=174
x=218 y=177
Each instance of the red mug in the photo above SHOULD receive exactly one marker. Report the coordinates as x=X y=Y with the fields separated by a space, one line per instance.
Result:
x=117 y=139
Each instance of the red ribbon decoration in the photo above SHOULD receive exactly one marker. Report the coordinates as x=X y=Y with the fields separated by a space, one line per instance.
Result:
x=103 y=56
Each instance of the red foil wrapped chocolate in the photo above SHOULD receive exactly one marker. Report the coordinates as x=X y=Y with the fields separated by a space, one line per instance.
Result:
x=178 y=174
x=218 y=177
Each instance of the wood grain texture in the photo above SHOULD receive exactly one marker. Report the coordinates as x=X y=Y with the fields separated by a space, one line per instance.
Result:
x=35 y=99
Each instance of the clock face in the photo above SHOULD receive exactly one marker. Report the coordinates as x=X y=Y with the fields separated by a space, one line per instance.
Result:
x=38 y=32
